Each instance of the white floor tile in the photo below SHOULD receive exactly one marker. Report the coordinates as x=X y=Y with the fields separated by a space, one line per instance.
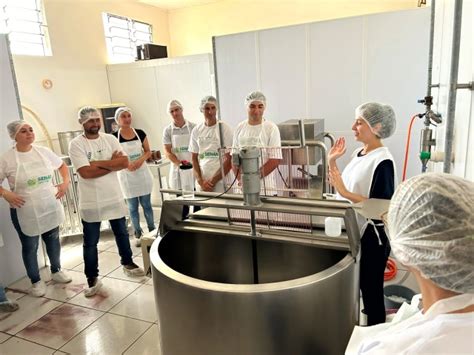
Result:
x=111 y=293
x=64 y=292
x=140 y=304
x=31 y=309
x=60 y=325
x=111 y=334
x=108 y=262
x=17 y=346
x=15 y=295
x=4 y=337
x=23 y=285
x=106 y=240
x=135 y=250
x=119 y=274
x=147 y=344
x=72 y=257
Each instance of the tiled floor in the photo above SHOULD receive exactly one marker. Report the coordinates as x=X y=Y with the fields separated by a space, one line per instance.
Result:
x=120 y=319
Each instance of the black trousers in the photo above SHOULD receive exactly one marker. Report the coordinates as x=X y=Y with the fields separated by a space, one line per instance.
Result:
x=372 y=267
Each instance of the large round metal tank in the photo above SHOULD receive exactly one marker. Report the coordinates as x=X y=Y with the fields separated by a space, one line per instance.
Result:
x=306 y=302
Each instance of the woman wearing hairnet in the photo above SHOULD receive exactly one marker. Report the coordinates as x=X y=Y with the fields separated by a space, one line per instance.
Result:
x=136 y=181
x=369 y=174
x=431 y=229
x=35 y=204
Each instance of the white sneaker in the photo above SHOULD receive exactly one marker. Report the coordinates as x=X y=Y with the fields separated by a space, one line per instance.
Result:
x=91 y=291
x=38 y=289
x=61 y=277
x=134 y=271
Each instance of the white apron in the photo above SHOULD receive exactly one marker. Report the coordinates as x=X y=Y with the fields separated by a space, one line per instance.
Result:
x=42 y=211
x=179 y=147
x=371 y=336
x=94 y=206
x=209 y=158
x=139 y=182
x=358 y=175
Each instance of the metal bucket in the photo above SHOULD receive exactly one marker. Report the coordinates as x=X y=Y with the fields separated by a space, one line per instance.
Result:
x=65 y=138
x=306 y=301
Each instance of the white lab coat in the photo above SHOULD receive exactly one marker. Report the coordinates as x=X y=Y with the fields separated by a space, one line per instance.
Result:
x=436 y=332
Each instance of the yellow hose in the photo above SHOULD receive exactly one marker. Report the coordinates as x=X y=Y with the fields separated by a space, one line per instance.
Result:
x=40 y=124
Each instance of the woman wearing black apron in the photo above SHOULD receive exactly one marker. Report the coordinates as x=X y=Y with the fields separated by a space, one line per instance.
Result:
x=369 y=174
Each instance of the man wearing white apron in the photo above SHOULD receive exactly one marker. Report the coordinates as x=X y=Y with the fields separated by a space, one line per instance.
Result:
x=136 y=181
x=176 y=138
x=204 y=147
x=369 y=174
x=36 y=209
x=256 y=131
x=430 y=225
x=97 y=157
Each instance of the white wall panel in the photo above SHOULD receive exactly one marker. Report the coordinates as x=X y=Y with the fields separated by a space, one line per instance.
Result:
x=11 y=265
x=337 y=76
x=326 y=69
x=283 y=68
x=397 y=72
x=236 y=72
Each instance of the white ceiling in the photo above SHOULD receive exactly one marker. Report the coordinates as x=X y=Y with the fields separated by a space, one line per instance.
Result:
x=176 y=4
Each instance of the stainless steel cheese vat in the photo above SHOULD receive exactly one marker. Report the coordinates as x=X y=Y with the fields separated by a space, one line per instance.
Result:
x=306 y=301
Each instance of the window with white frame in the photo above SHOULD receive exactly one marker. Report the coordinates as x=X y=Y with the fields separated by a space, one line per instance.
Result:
x=25 y=23
x=123 y=35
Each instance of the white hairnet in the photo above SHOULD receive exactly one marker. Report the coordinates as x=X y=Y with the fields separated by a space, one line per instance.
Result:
x=87 y=113
x=207 y=100
x=431 y=228
x=14 y=127
x=380 y=117
x=174 y=103
x=119 y=111
x=255 y=96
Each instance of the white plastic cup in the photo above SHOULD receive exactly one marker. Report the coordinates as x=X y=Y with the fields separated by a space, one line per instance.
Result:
x=333 y=226
x=186 y=177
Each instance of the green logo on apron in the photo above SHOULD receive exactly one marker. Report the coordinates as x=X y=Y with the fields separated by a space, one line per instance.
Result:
x=31 y=182
x=209 y=155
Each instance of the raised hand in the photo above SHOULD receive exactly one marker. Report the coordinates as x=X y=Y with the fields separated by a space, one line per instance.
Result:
x=337 y=150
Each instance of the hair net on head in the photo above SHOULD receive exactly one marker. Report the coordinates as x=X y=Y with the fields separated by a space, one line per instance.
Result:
x=431 y=228
x=119 y=111
x=380 y=117
x=14 y=127
x=174 y=103
x=87 y=113
x=255 y=96
x=207 y=100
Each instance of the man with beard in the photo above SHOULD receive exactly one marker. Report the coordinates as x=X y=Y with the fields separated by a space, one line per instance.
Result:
x=97 y=157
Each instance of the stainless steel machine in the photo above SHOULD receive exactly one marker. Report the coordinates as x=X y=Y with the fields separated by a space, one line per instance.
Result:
x=274 y=285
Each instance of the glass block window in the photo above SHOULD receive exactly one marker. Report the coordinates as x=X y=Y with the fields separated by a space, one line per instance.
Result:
x=123 y=35
x=25 y=23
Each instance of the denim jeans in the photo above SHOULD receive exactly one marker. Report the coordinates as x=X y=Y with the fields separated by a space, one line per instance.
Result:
x=29 y=249
x=3 y=297
x=145 y=202
x=91 y=238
